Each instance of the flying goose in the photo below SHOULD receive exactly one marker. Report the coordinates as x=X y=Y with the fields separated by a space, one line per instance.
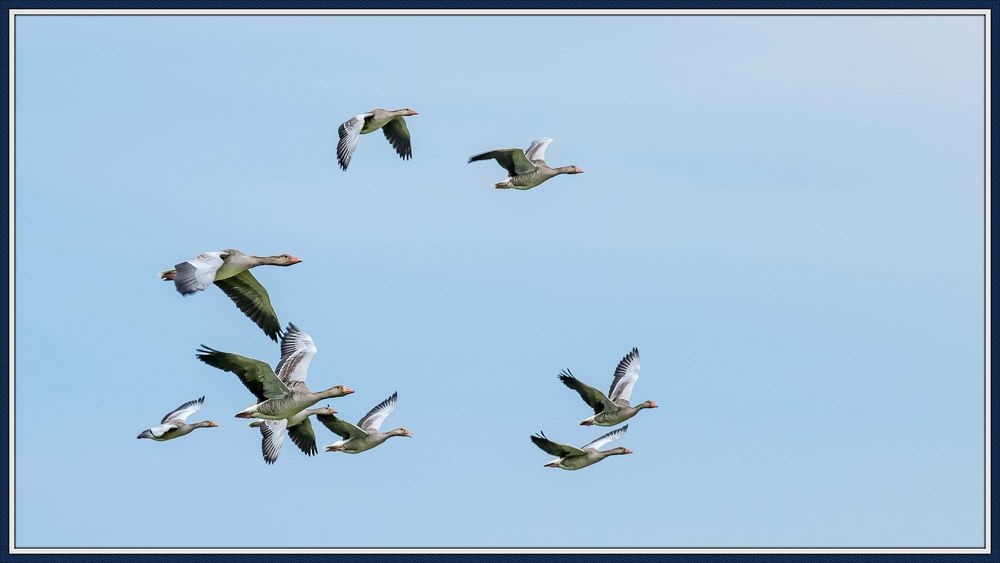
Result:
x=365 y=435
x=230 y=270
x=527 y=169
x=282 y=395
x=174 y=423
x=391 y=123
x=613 y=408
x=572 y=458
x=272 y=433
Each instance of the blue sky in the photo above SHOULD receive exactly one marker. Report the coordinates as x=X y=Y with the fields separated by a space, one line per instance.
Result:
x=784 y=214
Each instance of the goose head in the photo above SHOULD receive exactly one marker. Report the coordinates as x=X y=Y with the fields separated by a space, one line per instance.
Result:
x=323 y=410
x=286 y=260
x=648 y=405
x=619 y=451
x=405 y=112
x=401 y=432
x=207 y=424
x=337 y=391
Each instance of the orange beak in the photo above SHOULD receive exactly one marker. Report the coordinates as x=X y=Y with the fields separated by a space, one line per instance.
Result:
x=348 y=390
x=294 y=260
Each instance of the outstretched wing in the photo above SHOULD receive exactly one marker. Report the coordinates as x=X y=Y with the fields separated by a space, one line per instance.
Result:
x=297 y=351
x=513 y=160
x=303 y=437
x=341 y=427
x=252 y=299
x=372 y=421
x=195 y=275
x=255 y=374
x=613 y=435
x=626 y=374
x=590 y=395
x=272 y=437
x=399 y=137
x=349 y=131
x=182 y=412
x=536 y=152
x=554 y=448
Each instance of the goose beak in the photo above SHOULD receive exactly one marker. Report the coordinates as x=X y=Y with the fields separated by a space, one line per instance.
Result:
x=628 y=451
x=348 y=390
x=212 y=425
x=653 y=405
x=408 y=434
x=587 y=423
x=294 y=260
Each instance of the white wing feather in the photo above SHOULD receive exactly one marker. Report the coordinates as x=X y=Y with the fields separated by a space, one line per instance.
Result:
x=537 y=149
x=197 y=274
x=349 y=132
x=600 y=442
x=297 y=351
x=272 y=434
x=182 y=412
x=626 y=374
x=372 y=421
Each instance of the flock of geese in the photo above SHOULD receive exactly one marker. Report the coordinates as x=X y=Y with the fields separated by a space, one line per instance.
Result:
x=282 y=401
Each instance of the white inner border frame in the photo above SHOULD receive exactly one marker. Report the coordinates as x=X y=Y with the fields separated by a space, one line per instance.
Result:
x=12 y=14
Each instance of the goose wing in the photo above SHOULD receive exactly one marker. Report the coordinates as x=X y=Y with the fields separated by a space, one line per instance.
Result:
x=157 y=431
x=182 y=412
x=597 y=400
x=272 y=437
x=195 y=275
x=341 y=427
x=255 y=374
x=252 y=299
x=372 y=421
x=536 y=152
x=555 y=448
x=513 y=160
x=626 y=374
x=398 y=136
x=297 y=351
x=349 y=131
x=613 y=435
x=303 y=437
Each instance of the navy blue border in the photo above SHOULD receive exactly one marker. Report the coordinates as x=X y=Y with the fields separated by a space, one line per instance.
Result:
x=454 y=4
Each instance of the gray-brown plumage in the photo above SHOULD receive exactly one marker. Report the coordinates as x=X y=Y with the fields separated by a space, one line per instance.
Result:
x=174 y=423
x=613 y=408
x=572 y=458
x=366 y=434
x=282 y=395
x=230 y=270
x=391 y=123
x=526 y=169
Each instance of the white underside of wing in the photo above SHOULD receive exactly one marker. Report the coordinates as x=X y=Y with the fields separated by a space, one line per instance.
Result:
x=273 y=436
x=197 y=274
x=623 y=387
x=158 y=431
x=537 y=149
x=609 y=437
x=297 y=351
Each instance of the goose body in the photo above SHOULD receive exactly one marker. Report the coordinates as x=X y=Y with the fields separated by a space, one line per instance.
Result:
x=614 y=408
x=391 y=123
x=366 y=434
x=174 y=423
x=526 y=169
x=572 y=458
x=230 y=271
x=279 y=395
